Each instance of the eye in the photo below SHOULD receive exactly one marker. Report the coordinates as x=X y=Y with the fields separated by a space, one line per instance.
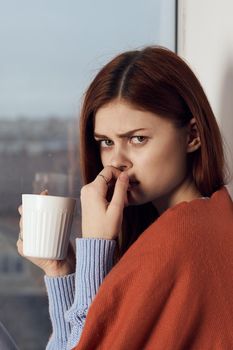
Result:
x=136 y=140
x=104 y=143
x=139 y=139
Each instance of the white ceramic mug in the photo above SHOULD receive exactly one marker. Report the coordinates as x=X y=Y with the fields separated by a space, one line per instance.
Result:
x=47 y=222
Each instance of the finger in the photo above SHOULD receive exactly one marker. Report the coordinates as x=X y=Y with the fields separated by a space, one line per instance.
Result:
x=20 y=246
x=110 y=176
x=20 y=209
x=44 y=192
x=20 y=224
x=119 y=194
x=20 y=237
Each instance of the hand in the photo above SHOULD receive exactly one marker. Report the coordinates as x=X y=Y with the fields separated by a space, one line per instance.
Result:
x=102 y=218
x=52 y=268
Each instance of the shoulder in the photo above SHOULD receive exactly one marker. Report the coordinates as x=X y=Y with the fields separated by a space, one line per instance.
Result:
x=186 y=232
x=178 y=222
x=179 y=231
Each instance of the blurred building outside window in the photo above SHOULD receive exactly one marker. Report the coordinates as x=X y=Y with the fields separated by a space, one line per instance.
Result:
x=50 y=51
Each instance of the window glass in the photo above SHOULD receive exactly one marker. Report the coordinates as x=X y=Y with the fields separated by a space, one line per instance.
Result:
x=50 y=51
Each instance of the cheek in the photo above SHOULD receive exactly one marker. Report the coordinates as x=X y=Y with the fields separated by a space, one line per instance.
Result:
x=166 y=160
x=107 y=156
x=104 y=158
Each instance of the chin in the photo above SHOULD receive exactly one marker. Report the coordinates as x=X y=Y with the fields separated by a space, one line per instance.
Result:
x=135 y=200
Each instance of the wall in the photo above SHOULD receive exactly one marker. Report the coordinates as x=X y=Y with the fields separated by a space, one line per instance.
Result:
x=205 y=41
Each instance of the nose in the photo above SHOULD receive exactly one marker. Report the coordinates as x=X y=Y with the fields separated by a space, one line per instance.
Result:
x=120 y=161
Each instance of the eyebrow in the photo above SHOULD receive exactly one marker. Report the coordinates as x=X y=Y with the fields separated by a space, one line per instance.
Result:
x=121 y=135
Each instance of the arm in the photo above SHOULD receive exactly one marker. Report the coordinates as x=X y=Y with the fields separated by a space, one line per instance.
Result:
x=61 y=296
x=67 y=308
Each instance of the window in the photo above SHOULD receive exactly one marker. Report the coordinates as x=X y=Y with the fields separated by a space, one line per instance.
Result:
x=50 y=51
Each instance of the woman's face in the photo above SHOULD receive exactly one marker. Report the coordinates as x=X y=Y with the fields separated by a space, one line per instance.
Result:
x=148 y=147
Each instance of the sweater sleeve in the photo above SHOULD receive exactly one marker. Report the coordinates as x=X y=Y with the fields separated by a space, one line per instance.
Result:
x=94 y=261
x=71 y=296
x=61 y=296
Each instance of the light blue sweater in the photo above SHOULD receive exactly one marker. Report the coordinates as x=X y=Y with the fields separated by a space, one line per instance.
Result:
x=71 y=296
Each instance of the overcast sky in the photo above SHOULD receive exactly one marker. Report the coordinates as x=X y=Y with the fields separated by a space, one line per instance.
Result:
x=50 y=49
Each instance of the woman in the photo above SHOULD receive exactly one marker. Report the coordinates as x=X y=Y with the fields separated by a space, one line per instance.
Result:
x=155 y=212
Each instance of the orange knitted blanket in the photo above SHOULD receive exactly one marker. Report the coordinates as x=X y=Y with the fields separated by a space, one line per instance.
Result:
x=172 y=289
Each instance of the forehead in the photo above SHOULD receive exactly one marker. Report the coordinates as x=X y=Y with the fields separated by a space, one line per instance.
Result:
x=122 y=116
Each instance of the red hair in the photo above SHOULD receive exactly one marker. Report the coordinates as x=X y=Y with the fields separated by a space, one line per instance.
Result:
x=153 y=79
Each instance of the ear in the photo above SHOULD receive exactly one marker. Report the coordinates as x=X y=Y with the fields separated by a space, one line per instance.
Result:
x=193 y=137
